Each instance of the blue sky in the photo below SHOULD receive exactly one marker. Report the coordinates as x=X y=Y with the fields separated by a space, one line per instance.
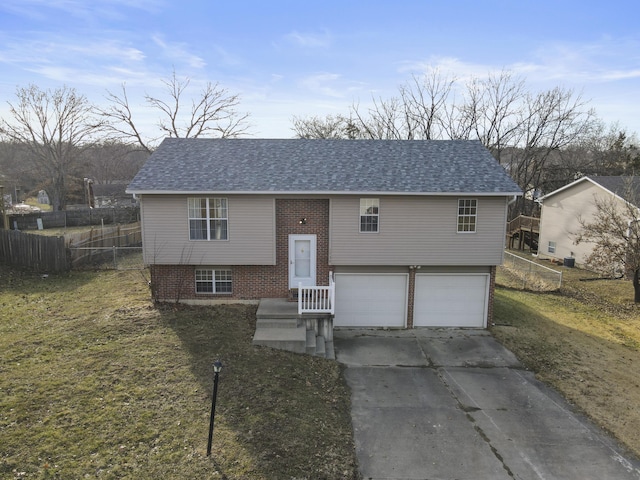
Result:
x=304 y=57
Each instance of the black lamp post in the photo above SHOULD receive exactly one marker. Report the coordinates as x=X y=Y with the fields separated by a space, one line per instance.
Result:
x=217 y=367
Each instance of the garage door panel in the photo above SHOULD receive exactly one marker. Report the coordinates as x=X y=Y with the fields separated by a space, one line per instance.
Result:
x=450 y=300
x=370 y=300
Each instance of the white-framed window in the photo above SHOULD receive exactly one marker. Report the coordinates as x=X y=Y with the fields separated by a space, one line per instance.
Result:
x=551 y=248
x=467 y=215
x=208 y=218
x=369 y=215
x=213 y=280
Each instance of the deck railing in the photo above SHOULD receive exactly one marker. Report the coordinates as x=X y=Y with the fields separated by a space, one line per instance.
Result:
x=531 y=224
x=319 y=299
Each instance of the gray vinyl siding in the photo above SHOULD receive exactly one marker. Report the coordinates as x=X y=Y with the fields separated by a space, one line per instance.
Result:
x=417 y=230
x=251 y=224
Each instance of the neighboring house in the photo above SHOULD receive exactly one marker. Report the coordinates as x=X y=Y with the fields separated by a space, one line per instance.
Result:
x=412 y=231
x=111 y=194
x=564 y=208
x=43 y=198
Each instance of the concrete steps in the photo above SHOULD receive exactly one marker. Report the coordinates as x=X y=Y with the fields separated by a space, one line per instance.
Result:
x=278 y=325
x=283 y=338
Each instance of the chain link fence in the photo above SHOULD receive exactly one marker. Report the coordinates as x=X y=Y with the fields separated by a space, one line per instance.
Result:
x=117 y=247
x=107 y=258
x=521 y=273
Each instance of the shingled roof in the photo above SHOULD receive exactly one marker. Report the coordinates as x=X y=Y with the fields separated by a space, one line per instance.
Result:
x=622 y=186
x=292 y=166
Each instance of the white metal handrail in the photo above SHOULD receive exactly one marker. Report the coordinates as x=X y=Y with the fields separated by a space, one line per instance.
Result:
x=318 y=299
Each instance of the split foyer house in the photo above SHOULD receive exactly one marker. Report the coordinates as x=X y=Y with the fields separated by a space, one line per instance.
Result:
x=563 y=209
x=408 y=233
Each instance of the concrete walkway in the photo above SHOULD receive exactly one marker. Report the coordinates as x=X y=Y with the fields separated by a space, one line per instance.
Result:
x=455 y=404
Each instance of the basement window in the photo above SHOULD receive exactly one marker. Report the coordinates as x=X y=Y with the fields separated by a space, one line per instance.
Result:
x=213 y=281
x=552 y=247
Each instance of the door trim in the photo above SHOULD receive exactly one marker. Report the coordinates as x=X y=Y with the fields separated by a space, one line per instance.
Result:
x=293 y=280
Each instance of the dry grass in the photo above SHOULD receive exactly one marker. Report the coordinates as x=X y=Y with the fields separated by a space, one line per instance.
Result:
x=584 y=340
x=96 y=381
x=60 y=232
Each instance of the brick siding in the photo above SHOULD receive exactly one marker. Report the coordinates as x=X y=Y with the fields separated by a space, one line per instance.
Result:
x=411 y=296
x=252 y=282
x=492 y=291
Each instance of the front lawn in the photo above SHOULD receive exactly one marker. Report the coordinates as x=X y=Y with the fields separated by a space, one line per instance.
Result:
x=96 y=381
x=585 y=341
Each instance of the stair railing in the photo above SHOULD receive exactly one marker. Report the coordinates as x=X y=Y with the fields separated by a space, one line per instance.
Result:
x=317 y=299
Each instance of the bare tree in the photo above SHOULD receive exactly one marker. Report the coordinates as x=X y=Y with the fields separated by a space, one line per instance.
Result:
x=523 y=130
x=614 y=232
x=14 y=169
x=551 y=120
x=335 y=127
x=211 y=114
x=112 y=161
x=607 y=150
x=419 y=113
x=491 y=111
x=383 y=121
x=55 y=126
x=425 y=105
x=611 y=150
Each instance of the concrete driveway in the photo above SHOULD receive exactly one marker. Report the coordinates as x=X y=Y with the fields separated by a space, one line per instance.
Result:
x=455 y=404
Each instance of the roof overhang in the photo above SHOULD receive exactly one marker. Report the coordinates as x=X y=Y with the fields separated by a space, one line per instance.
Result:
x=315 y=193
x=569 y=185
x=581 y=180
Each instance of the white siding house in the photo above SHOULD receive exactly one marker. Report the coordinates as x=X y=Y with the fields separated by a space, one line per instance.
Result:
x=563 y=209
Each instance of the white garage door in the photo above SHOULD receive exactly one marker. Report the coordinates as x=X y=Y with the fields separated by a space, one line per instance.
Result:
x=371 y=300
x=451 y=300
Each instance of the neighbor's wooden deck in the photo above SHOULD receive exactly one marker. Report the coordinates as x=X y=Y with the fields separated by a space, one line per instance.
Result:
x=525 y=229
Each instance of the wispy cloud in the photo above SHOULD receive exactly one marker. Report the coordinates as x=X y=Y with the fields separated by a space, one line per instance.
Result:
x=602 y=61
x=108 y=49
x=75 y=76
x=573 y=63
x=38 y=9
x=449 y=66
x=310 y=40
x=178 y=52
x=67 y=51
x=71 y=61
x=331 y=85
x=323 y=83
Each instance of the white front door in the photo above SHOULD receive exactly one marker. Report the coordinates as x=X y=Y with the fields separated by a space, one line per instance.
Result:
x=302 y=260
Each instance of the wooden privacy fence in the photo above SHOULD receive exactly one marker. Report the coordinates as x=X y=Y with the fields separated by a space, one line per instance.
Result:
x=74 y=218
x=58 y=254
x=37 y=252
